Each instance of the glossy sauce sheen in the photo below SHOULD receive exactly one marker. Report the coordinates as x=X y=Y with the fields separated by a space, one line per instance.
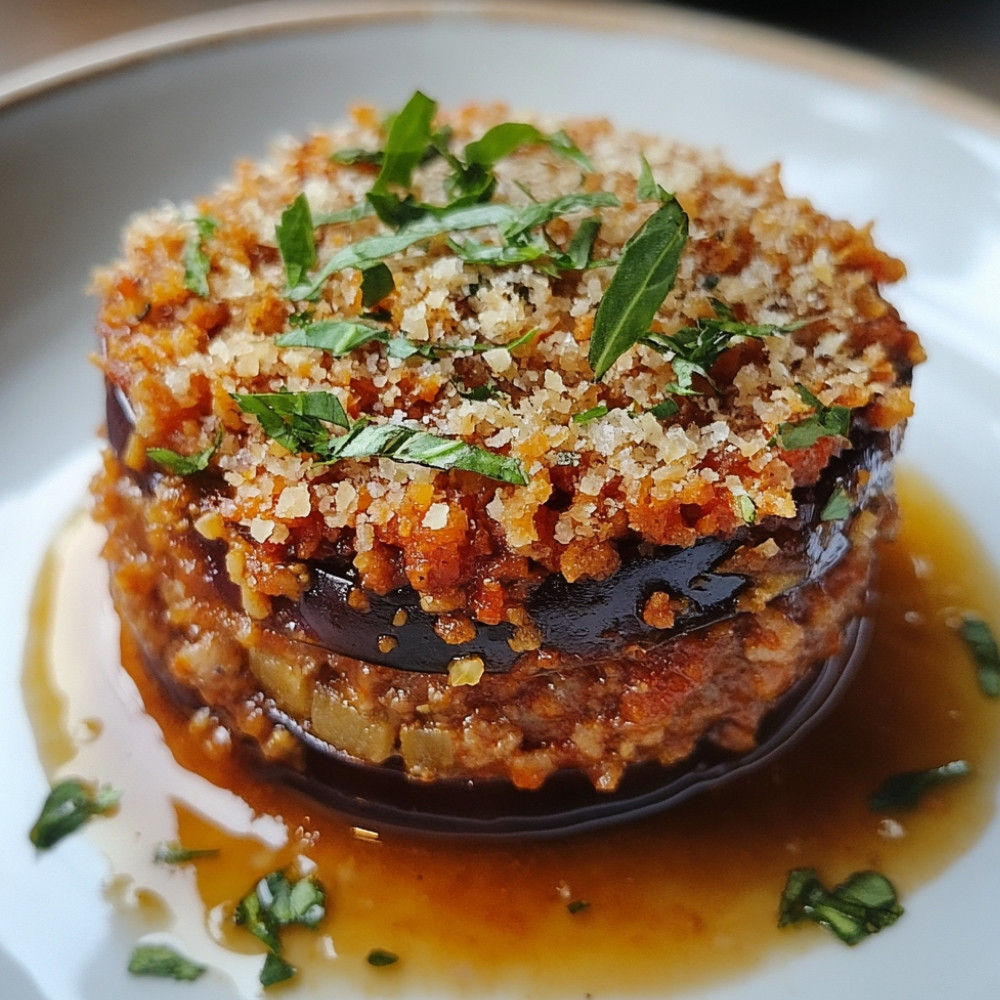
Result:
x=662 y=906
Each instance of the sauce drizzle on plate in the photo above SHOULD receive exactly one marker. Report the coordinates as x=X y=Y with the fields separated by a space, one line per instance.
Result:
x=666 y=904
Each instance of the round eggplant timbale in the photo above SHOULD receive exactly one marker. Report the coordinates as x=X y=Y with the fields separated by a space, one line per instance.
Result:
x=461 y=450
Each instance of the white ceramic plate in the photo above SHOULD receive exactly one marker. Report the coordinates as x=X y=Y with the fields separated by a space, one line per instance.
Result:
x=89 y=138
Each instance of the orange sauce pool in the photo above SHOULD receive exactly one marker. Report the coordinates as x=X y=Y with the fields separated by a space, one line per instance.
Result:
x=673 y=903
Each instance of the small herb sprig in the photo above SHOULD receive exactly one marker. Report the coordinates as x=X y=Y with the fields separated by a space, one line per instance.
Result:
x=274 y=903
x=69 y=805
x=858 y=907
x=301 y=421
x=903 y=791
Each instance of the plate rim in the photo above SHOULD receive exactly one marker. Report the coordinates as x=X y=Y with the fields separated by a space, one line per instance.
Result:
x=734 y=34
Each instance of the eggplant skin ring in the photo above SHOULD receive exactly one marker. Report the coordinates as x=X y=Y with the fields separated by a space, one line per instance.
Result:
x=457 y=446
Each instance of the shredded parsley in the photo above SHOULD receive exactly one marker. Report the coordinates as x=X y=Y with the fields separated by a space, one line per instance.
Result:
x=380 y=958
x=694 y=349
x=979 y=638
x=67 y=807
x=837 y=507
x=174 y=854
x=594 y=413
x=861 y=905
x=162 y=961
x=824 y=421
x=183 y=465
x=297 y=420
x=903 y=791
x=196 y=261
x=274 y=903
x=407 y=444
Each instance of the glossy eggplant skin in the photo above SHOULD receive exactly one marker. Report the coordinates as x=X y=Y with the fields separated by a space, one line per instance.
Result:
x=580 y=618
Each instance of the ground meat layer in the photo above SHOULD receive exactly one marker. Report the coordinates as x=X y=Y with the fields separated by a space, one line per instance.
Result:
x=549 y=712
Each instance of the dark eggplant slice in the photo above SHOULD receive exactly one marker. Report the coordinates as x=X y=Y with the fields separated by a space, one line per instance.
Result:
x=383 y=796
x=575 y=618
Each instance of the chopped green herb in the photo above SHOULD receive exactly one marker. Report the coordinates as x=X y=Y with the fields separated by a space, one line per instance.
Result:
x=694 y=349
x=275 y=970
x=175 y=854
x=407 y=142
x=184 y=465
x=594 y=413
x=296 y=241
x=373 y=249
x=903 y=791
x=578 y=906
x=354 y=155
x=824 y=421
x=376 y=283
x=642 y=280
x=837 y=507
x=981 y=641
x=380 y=958
x=68 y=806
x=162 y=961
x=360 y=210
x=507 y=137
x=862 y=905
x=296 y=420
x=274 y=903
x=406 y=444
x=337 y=336
x=748 y=509
x=647 y=189
x=196 y=261
x=664 y=409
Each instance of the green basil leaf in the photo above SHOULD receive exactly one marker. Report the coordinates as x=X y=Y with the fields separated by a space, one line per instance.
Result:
x=983 y=645
x=196 y=261
x=175 y=854
x=69 y=805
x=275 y=970
x=903 y=791
x=360 y=210
x=296 y=420
x=541 y=213
x=407 y=143
x=337 y=336
x=376 y=283
x=355 y=155
x=183 y=465
x=373 y=249
x=296 y=241
x=825 y=421
x=861 y=905
x=694 y=349
x=646 y=187
x=380 y=958
x=594 y=413
x=406 y=444
x=837 y=507
x=642 y=280
x=275 y=902
x=665 y=409
x=163 y=961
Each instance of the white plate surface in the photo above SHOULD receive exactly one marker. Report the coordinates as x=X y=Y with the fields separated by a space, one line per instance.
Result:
x=87 y=139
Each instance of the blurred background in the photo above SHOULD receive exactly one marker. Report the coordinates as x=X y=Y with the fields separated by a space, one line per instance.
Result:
x=957 y=41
